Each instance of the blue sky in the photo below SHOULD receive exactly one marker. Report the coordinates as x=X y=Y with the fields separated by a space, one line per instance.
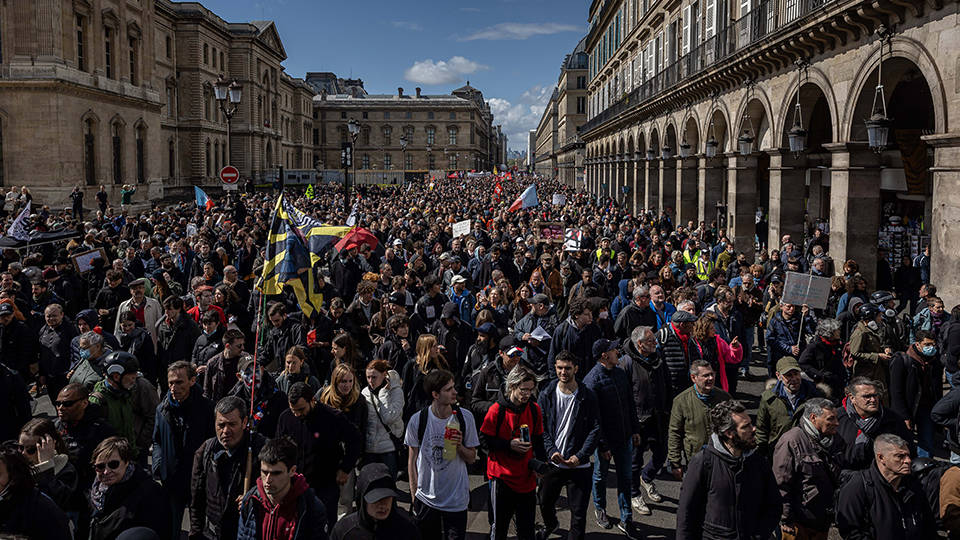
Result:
x=509 y=49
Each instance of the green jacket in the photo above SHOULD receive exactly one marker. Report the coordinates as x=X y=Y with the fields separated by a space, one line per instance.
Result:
x=690 y=424
x=117 y=408
x=774 y=417
x=865 y=348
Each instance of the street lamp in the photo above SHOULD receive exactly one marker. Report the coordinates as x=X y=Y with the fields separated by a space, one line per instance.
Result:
x=878 y=125
x=684 y=149
x=228 y=92
x=353 y=126
x=403 y=153
x=666 y=152
x=797 y=136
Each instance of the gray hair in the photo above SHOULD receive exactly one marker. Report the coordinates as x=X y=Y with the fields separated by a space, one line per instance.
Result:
x=816 y=406
x=517 y=376
x=229 y=404
x=92 y=338
x=640 y=291
x=863 y=381
x=685 y=304
x=640 y=333
x=697 y=364
x=826 y=327
x=886 y=440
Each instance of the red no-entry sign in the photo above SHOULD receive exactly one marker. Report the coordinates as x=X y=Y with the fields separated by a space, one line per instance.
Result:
x=229 y=175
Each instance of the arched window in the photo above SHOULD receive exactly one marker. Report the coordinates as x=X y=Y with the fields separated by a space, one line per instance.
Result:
x=141 y=134
x=209 y=159
x=89 y=156
x=171 y=159
x=117 y=133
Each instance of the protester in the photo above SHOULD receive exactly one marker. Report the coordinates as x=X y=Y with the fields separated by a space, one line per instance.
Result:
x=383 y=438
x=779 y=404
x=689 y=427
x=25 y=511
x=377 y=515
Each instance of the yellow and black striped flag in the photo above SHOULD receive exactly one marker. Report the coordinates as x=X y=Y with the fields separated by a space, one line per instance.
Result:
x=296 y=242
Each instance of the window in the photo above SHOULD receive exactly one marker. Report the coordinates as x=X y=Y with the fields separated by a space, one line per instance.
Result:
x=453 y=116
x=169 y=47
x=452 y=161
x=89 y=163
x=431 y=135
x=430 y=115
x=206 y=54
x=343 y=115
x=387 y=135
x=387 y=161
x=409 y=115
x=408 y=134
x=314 y=114
x=432 y=161
x=134 y=62
x=108 y=51
x=365 y=115
x=407 y=162
x=365 y=135
x=81 y=45
x=581 y=105
x=171 y=159
x=452 y=136
x=581 y=82
x=316 y=137
x=222 y=65
x=473 y=136
x=216 y=156
x=213 y=57
x=386 y=115
x=365 y=161
x=343 y=134
x=169 y=102
x=207 y=105
x=141 y=156
x=117 y=154
x=471 y=115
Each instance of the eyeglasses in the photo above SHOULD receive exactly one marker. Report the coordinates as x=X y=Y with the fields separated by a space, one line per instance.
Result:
x=870 y=397
x=525 y=390
x=113 y=465
x=65 y=403
x=15 y=446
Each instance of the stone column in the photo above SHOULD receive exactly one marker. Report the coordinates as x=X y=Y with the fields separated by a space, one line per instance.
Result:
x=814 y=204
x=627 y=197
x=668 y=185
x=854 y=206
x=687 y=194
x=787 y=191
x=652 y=191
x=618 y=181
x=945 y=220
x=741 y=200
x=710 y=185
x=637 y=189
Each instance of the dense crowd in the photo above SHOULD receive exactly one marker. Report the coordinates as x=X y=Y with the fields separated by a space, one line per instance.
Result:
x=183 y=392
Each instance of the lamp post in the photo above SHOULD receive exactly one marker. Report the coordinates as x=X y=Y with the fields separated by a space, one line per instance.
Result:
x=403 y=154
x=878 y=125
x=353 y=126
x=228 y=93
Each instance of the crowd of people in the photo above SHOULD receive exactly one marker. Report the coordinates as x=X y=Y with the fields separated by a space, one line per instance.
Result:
x=184 y=394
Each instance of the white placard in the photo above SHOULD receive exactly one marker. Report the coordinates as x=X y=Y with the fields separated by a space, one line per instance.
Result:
x=559 y=199
x=461 y=228
x=571 y=239
x=806 y=289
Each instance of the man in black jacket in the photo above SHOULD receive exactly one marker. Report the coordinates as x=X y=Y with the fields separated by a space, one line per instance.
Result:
x=915 y=386
x=536 y=348
x=282 y=334
x=176 y=334
x=728 y=490
x=652 y=397
x=55 y=338
x=329 y=444
x=571 y=432
x=219 y=466
x=637 y=313
x=377 y=514
x=884 y=501
x=863 y=418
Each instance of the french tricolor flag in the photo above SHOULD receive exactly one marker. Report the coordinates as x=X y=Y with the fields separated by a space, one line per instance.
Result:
x=202 y=200
x=526 y=199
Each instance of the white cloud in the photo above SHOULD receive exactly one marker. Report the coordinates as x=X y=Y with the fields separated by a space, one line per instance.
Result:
x=509 y=30
x=520 y=117
x=442 y=72
x=407 y=25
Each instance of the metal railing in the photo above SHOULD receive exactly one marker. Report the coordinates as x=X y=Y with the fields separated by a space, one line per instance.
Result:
x=766 y=18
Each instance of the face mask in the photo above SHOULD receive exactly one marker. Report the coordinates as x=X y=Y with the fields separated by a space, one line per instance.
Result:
x=84 y=354
x=929 y=350
x=604 y=315
x=872 y=325
x=889 y=313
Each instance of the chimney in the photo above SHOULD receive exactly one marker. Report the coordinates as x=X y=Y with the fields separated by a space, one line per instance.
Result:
x=400 y=92
x=323 y=94
x=418 y=92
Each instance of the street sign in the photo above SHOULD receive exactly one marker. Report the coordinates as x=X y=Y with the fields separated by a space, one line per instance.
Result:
x=229 y=175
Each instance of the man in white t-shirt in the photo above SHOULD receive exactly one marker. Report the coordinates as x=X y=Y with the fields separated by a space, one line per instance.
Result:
x=571 y=432
x=441 y=488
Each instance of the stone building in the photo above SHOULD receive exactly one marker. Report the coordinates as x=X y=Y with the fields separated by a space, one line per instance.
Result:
x=560 y=151
x=442 y=131
x=694 y=105
x=547 y=144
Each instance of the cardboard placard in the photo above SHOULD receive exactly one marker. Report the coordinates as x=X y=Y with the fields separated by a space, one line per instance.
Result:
x=559 y=199
x=549 y=231
x=806 y=289
x=461 y=228
x=571 y=239
x=83 y=262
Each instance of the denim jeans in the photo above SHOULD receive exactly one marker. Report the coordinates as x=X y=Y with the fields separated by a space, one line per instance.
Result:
x=924 y=425
x=622 y=456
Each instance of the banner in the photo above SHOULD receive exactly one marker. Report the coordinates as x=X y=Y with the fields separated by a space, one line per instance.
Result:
x=571 y=239
x=806 y=289
x=461 y=228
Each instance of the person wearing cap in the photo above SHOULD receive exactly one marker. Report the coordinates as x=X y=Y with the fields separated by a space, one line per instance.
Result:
x=147 y=310
x=779 y=403
x=486 y=384
x=541 y=315
x=482 y=352
x=377 y=515
x=689 y=427
x=282 y=504
x=114 y=393
x=430 y=305
x=462 y=297
x=621 y=432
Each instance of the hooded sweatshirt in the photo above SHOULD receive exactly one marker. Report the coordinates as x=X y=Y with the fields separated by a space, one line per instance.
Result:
x=279 y=521
x=362 y=526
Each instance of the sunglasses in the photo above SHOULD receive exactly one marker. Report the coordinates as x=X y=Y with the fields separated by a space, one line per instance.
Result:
x=28 y=450
x=65 y=403
x=113 y=465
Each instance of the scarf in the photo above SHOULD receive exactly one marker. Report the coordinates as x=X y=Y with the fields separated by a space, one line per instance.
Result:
x=866 y=427
x=807 y=426
x=98 y=493
x=684 y=338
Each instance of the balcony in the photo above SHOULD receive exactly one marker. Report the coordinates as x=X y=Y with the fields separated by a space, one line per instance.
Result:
x=769 y=20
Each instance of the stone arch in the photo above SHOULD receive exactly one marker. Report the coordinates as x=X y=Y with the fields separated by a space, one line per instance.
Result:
x=654 y=142
x=670 y=137
x=816 y=78
x=718 y=126
x=816 y=116
x=756 y=103
x=690 y=132
x=641 y=144
x=906 y=55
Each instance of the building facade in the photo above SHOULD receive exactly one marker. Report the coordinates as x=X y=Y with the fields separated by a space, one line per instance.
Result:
x=411 y=133
x=546 y=163
x=560 y=151
x=694 y=104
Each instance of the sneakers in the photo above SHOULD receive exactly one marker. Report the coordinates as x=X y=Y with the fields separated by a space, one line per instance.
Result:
x=544 y=532
x=602 y=520
x=630 y=530
x=651 y=490
x=640 y=506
